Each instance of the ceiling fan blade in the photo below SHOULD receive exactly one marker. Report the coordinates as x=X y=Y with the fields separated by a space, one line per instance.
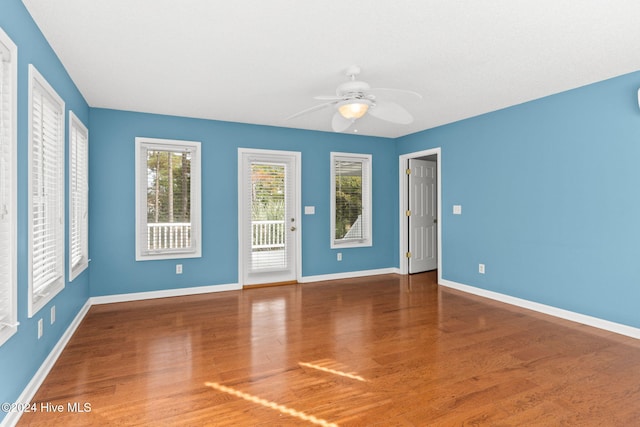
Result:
x=391 y=112
x=387 y=89
x=329 y=97
x=309 y=110
x=339 y=123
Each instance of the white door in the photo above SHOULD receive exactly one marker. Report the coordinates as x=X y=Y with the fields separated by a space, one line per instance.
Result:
x=423 y=216
x=268 y=205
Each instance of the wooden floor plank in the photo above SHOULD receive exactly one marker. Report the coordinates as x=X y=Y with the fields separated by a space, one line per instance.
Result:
x=380 y=351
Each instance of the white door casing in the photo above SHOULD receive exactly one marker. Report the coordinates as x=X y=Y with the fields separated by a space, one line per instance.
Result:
x=274 y=256
x=423 y=237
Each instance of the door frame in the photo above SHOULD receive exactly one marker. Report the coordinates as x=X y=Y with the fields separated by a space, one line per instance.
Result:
x=297 y=156
x=404 y=206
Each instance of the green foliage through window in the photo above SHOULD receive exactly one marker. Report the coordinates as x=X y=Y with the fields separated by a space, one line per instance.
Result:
x=348 y=205
x=348 y=201
x=168 y=186
x=268 y=191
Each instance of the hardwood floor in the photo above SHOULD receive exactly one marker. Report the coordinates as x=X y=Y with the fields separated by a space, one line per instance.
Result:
x=383 y=350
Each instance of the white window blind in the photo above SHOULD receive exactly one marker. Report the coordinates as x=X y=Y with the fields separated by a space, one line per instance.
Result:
x=350 y=199
x=78 y=196
x=46 y=162
x=8 y=114
x=168 y=199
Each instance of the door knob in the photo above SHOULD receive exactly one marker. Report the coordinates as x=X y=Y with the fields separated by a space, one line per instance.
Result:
x=293 y=229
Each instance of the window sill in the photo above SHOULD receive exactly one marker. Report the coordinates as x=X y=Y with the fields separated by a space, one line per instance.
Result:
x=168 y=255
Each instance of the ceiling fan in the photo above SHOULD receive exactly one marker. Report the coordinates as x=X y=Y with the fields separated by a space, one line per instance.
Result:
x=354 y=99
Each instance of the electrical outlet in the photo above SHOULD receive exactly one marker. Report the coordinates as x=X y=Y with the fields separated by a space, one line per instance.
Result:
x=178 y=268
x=481 y=268
x=53 y=314
x=339 y=256
x=40 y=328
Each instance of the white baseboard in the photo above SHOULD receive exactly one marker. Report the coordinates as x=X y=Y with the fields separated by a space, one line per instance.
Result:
x=30 y=390
x=596 y=322
x=349 y=275
x=137 y=296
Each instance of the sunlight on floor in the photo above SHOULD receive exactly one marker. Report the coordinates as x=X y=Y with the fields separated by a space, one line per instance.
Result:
x=272 y=405
x=332 y=371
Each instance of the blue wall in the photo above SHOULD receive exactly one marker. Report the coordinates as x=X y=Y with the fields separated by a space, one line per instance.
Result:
x=23 y=353
x=114 y=269
x=550 y=199
x=549 y=191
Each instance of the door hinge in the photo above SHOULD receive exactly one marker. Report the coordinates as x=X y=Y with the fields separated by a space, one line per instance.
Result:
x=409 y=213
x=408 y=255
x=408 y=171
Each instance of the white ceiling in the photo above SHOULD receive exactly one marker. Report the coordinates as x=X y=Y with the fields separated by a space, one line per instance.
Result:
x=259 y=61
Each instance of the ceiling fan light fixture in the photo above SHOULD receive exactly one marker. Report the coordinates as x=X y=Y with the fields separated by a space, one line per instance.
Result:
x=354 y=109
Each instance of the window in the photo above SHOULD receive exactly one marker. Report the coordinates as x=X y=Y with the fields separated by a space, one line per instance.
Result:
x=350 y=200
x=167 y=199
x=46 y=192
x=78 y=197
x=8 y=137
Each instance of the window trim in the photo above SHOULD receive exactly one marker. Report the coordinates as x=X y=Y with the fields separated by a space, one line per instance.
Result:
x=142 y=144
x=10 y=326
x=75 y=270
x=56 y=286
x=366 y=160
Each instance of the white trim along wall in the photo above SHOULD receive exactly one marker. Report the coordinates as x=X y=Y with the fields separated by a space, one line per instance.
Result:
x=546 y=309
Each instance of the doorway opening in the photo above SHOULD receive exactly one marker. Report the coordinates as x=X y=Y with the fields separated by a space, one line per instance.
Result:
x=420 y=212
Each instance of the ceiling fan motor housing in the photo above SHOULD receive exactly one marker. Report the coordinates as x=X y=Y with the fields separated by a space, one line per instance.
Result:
x=353 y=89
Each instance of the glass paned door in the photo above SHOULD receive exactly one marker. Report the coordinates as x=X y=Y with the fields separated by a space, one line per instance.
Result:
x=268 y=206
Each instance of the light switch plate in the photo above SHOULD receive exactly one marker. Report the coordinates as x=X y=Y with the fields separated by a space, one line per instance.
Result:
x=309 y=210
x=457 y=209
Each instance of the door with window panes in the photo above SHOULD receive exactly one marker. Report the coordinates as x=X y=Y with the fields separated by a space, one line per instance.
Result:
x=268 y=204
